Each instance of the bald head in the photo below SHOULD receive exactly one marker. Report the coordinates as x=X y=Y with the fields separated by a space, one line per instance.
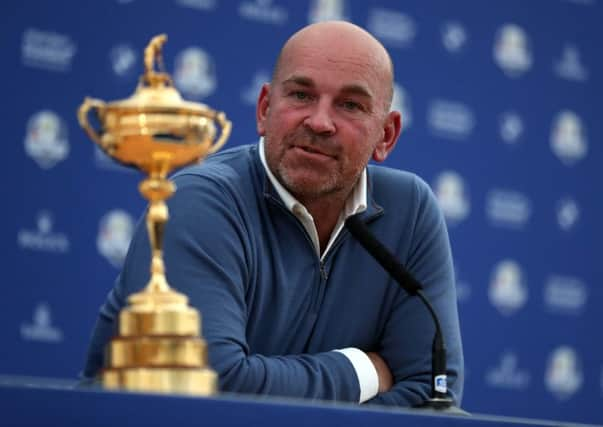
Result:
x=346 y=40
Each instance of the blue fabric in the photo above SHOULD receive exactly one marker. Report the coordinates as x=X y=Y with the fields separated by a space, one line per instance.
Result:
x=272 y=311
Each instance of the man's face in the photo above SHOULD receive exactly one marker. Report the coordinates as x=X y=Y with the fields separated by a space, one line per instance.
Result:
x=323 y=117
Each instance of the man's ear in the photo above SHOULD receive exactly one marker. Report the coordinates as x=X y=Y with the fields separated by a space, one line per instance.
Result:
x=391 y=131
x=261 y=110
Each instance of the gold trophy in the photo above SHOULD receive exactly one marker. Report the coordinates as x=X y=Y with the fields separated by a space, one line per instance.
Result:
x=158 y=347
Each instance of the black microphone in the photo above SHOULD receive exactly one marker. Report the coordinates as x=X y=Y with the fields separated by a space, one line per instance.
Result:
x=439 y=396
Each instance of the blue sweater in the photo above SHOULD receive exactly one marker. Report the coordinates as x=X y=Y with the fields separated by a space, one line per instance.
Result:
x=272 y=311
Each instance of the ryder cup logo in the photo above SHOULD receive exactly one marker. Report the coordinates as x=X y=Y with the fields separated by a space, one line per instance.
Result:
x=510 y=127
x=454 y=36
x=568 y=213
x=401 y=103
x=249 y=95
x=328 y=10
x=507 y=292
x=568 y=139
x=123 y=60
x=512 y=51
x=41 y=328
x=569 y=66
x=195 y=73
x=450 y=191
x=564 y=373
x=114 y=235
x=46 y=139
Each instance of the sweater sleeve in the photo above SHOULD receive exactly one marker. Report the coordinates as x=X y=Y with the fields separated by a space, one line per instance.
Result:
x=207 y=255
x=407 y=340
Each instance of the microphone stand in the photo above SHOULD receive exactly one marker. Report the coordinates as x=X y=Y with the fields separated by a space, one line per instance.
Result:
x=439 y=399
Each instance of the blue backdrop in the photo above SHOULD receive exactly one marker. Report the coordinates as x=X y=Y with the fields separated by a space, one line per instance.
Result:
x=501 y=105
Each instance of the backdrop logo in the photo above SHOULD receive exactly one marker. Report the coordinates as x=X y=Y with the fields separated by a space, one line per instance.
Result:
x=401 y=103
x=450 y=119
x=507 y=292
x=123 y=60
x=512 y=50
x=454 y=36
x=263 y=11
x=510 y=209
x=510 y=127
x=507 y=374
x=452 y=197
x=47 y=50
x=195 y=73
x=41 y=328
x=328 y=10
x=114 y=236
x=564 y=373
x=46 y=139
x=568 y=213
x=249 y=95
x=565 y=295
x=568 y=139
x=569 y=66
x=43 y=239
x=197 y=4
x=392 y=27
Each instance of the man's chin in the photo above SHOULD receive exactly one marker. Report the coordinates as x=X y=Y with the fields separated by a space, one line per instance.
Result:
x=307 y=187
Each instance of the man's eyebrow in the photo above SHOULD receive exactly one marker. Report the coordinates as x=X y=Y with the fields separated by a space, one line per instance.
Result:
x=352 y=89
x=299 y=80
x=356 y=90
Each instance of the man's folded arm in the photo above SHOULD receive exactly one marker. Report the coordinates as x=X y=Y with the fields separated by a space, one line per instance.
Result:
x=207 y=259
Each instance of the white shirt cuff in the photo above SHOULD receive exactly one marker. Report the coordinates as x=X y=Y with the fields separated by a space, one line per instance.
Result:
x=368 y=379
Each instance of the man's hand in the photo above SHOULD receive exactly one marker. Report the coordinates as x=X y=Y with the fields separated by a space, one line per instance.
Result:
x=385 y=376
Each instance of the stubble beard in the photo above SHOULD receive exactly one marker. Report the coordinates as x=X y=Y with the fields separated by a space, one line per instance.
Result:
x=304 y=182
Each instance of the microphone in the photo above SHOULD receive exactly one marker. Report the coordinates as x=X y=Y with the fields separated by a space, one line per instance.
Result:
x=439 y=396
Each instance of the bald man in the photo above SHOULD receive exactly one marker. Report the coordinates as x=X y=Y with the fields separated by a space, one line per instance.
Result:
x=292 y=304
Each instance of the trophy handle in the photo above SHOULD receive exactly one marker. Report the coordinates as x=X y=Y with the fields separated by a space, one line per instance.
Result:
x=82 y=116
x=226 y=126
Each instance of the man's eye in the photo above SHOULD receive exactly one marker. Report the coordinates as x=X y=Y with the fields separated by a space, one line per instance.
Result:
x=352 y=106
x=301 y=96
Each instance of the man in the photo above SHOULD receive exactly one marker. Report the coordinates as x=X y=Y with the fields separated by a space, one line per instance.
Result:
x=292 y=304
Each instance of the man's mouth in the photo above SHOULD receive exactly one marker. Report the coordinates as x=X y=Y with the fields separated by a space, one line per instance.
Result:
x=313 y=151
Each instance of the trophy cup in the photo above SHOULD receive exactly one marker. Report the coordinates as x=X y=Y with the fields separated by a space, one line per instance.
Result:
x=158 y=347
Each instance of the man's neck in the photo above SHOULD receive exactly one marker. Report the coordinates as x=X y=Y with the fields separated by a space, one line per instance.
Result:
x=325 y=211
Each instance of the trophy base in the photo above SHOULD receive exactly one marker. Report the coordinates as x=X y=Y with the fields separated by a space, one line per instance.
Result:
x=191 y=381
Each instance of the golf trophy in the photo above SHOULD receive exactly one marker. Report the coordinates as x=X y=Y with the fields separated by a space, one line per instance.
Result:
x=158 y=347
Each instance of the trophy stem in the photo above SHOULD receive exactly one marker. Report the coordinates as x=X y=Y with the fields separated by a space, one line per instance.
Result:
x=156 y=189
x=157 y=216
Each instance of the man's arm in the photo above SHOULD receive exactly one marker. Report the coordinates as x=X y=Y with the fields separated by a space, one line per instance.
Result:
x=207 y=258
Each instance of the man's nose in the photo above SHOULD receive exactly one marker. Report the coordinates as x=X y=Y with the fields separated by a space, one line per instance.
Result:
x=320 y=119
